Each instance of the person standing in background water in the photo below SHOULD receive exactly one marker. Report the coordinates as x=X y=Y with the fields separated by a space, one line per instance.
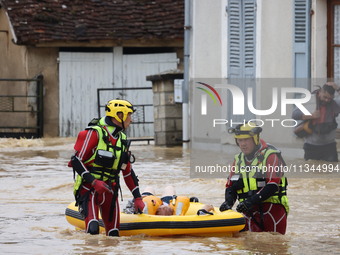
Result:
x=320 y=143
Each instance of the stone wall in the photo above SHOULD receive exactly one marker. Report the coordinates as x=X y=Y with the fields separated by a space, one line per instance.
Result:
x=167 y=113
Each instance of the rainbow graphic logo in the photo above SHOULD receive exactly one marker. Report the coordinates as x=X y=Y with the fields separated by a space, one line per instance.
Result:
x=209 y=90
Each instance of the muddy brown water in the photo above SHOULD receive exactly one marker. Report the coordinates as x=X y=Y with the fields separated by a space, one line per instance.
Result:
x=36 y=187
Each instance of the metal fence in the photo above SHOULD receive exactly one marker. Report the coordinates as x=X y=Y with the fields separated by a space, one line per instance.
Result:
x=21 y=107
x=142 y=120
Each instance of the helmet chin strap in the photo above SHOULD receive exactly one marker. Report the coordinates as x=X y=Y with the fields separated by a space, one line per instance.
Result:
x=123 y=126
x=121 y=120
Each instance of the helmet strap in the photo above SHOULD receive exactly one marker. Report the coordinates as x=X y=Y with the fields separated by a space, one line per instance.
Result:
x=123 y=126
x=122 y=121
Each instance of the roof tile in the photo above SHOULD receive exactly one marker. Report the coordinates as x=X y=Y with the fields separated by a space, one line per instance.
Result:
x=44 y=21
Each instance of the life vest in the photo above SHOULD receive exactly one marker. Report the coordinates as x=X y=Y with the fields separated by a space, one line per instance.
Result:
x=104 y=143
x=152 y=203
x=253 y=177
x=179 y=204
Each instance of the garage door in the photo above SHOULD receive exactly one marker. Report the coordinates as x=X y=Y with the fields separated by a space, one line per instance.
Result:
x=82 y=73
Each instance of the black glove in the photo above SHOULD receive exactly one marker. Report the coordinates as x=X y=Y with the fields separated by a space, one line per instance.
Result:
x=230 y=198
x=245 y=207
x=224 y=206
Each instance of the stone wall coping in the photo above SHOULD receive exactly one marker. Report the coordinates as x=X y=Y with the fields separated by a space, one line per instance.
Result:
x=167 y=75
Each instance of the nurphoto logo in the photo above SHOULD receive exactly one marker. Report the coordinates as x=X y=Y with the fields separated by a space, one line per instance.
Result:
x=213 y=95
x=280 y=97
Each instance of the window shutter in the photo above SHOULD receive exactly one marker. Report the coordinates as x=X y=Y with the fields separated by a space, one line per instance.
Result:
x=235 y=39
x=241 y=38
x=241 y=49
x=249 y=38
x=301 y=43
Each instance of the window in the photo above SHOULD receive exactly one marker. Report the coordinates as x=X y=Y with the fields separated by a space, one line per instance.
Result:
x=241 y=38
x=241 y=49
x=333 y=40
x=302 y=43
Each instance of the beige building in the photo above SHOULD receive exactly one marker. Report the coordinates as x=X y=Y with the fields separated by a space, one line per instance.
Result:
x=78 y=47
x=265 y=45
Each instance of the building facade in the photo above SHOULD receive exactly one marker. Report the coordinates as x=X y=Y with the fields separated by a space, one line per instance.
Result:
x=268 y=46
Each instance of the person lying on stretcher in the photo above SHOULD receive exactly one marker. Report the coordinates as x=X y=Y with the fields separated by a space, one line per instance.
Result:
x=168 y=204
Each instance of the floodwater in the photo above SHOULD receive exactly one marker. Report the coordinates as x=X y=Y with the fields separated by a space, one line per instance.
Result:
x=36 y=186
